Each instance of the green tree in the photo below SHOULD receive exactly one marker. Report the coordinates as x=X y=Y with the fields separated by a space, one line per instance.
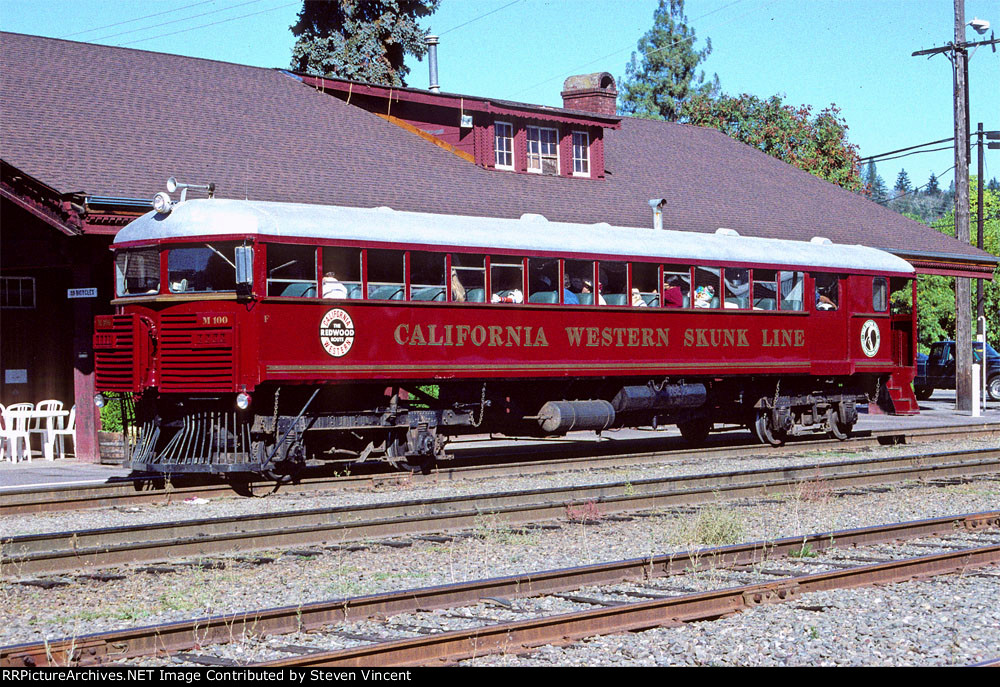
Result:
x=363 y=40
x=933 y=188
x=817 y=144
x=903 y=185
x=874 y=186
x=936 y=294
x=664 y=74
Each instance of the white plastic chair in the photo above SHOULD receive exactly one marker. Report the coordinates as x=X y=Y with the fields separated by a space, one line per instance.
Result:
x=44 y=426
x=60 y=432
x=14 y=430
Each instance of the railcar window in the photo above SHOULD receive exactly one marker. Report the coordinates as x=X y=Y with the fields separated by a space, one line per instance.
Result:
x=579 y=281
x=468 y=278
x=736 y=283
x=427 y=276
x=645 y=285
x=827 y=291
x=792 y=291
x=677 y=286
x=205 y=267
x=706 y=287
x=543 y=276
x=900 y=296
x=291 y=270
x=341 y=273
x=612 y=285
x=137 y=272
x=765 y=290
x=506 y=279
x=385 y=275
x=880 y=294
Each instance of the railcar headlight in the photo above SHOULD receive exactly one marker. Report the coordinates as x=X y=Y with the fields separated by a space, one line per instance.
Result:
x=162 y=203
x=99 y=400
x=243 y=401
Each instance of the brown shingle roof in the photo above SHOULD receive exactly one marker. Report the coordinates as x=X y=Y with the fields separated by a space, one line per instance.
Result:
x=117 y=122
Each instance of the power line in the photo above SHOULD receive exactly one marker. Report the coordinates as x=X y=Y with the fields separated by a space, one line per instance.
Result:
x=175 y=21
x=130 y=21
x=479 y=17
x=214 y=23
x=915 y=152
x=617 y=52
x=900 y=150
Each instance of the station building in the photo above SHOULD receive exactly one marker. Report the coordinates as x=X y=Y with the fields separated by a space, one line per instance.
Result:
x=89 y=133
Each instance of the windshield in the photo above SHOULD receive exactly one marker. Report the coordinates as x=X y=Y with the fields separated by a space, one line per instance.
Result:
x=977 y=350
x=137 y=272
x=200 y=268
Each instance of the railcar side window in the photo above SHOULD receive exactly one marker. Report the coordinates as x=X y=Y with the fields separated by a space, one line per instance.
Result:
x=468 y=278
x=645 y=285
x=341 y=273
x=827 y=291
x=385 y=275
x=578 y=282
x=706 y=287
x=291 y=270
x=427 y=276
x=765 y=290
x=880 y=294
x=792 y=291
x=737 y=285
x=543 y=276
x=612 y=284
x=205 y=267
x=137 y=272
x=677 y=286
x=506 y=279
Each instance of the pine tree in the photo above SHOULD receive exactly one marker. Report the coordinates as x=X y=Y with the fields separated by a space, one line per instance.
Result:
x=874 y=184
x=932 y=188
x=994 y=185
x=364 y=40
x=663 y=75
x=903 y=185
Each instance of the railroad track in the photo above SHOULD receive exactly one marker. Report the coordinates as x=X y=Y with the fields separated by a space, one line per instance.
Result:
x=469 y=464
x=81 y=550
x=658 y=607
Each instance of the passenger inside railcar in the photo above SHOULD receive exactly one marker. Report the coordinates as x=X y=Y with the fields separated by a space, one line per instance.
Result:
x=543 y=274
x=345 y=265
x=676 y=286
x=827 y=295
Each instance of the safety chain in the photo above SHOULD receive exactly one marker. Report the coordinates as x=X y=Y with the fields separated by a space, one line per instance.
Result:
x=482 y=408
x=878 y=385
x=777 y=390
x=274 y=421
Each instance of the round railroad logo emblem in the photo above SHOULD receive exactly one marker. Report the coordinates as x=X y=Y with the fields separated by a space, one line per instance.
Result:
x=336 y=332
x=871 y=337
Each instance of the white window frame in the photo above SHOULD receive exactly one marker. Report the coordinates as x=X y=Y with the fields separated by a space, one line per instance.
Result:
x=6 y=288
x=509 y=144
x=585 y=159
x=539 y=156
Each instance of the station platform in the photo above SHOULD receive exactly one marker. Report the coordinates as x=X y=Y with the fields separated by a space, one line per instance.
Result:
x=938 y=411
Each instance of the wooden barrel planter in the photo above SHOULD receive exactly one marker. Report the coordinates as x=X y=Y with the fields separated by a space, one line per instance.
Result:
x=111 y=447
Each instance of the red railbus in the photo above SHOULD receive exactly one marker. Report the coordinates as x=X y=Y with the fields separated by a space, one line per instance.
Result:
x=257 y=337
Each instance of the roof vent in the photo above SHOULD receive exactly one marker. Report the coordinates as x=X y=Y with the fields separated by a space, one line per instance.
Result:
x=432 y=63
x=533 y=217
x=821 y=241
x=723 y=231
x=656 y=205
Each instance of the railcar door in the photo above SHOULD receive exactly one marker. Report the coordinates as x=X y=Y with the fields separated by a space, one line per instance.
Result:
x=828 y=323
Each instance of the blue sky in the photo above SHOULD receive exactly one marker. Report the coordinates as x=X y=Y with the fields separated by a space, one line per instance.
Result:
x=855 y=53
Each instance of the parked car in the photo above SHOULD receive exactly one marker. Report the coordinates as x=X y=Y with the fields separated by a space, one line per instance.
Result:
x=937 y=370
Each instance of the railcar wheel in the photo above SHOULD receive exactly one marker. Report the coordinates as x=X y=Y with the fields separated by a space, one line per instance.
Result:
x=395 y=453
x=922 y=392
x=695 y=431
x=838 y=430
x=766 y=434
x=993 y=387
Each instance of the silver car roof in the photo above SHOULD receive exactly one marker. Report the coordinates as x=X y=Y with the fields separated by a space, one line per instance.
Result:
x=528 y=234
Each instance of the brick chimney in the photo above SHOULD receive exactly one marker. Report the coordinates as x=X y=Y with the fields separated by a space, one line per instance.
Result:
x=591 y=92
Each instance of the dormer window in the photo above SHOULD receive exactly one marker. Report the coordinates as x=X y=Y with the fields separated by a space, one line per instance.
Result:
x=504 y=144
x=581 y=154
x=543 y=150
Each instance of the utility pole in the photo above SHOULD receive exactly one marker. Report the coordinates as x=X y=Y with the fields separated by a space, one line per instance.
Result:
x=957 y=52
x=963 y=285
